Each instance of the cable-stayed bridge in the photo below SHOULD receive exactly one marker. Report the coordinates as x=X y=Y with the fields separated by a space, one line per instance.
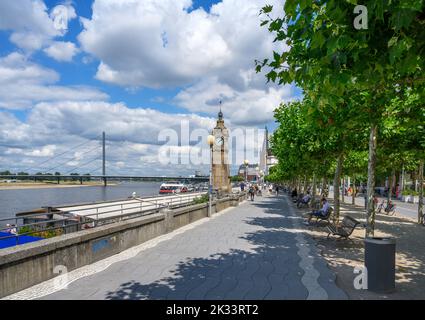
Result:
x=93 y=167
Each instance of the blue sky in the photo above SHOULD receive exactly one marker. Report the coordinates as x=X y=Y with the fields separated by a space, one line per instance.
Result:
x=132 y=69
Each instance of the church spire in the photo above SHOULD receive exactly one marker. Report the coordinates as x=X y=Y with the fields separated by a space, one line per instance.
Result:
x=220 y=114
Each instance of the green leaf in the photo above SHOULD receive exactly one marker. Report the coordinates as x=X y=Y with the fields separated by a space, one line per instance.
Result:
x=276 y=56
x=271 y=76
x=379 y=9
x=267 y=9
x=392 y=41
x=290 y=7
x=318 y=40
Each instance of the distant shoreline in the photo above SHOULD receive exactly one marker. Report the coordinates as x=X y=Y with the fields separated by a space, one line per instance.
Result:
x=22 y=186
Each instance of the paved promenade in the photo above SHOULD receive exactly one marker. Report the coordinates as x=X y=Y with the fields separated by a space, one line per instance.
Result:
x=255 y=251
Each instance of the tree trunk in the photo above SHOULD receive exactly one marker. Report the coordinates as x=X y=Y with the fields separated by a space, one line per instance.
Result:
x=337 y=181
x=313 y=191
x=305 y=185
x=370 y=209
x=327 y=186
x=390 y=187
x=298 y=185
x=343 y=190
x=421 y=192
x=402 y=180
x=353 y=191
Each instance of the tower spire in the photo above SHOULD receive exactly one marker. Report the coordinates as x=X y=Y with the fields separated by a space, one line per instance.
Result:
x=220 y=114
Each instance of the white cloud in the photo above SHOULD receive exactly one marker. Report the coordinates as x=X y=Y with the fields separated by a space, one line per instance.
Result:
x=159 y=43
x=62 y=51
x=120 y=122
x=133 y=139
x=251 y=106
x=163 y=44
x=31 y=25
x=153 y=43
x=13 y=151
x=208 y=55
x=45 y=151
x=29 y=41
x=23 y=83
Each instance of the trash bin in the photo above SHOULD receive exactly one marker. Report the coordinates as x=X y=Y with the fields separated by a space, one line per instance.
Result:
x=380 y=264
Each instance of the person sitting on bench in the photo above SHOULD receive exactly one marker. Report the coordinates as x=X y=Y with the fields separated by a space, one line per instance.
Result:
x=318 y=213
x=306 y=198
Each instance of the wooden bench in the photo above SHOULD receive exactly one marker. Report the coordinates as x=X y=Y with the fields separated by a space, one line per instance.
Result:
x=301 y=203
x=344 y=229
x=326 y=217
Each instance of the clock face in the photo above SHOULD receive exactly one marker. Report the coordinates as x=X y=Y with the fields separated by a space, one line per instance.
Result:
x=219 y=141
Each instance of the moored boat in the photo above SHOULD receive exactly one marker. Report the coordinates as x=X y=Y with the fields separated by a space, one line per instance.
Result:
x=172 y=187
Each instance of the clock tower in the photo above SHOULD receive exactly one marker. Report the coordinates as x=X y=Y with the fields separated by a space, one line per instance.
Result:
x=220 y=160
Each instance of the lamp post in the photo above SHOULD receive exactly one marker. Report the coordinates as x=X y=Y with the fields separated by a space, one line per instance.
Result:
x=246 y=163
x=261 y=173
x=210 y=141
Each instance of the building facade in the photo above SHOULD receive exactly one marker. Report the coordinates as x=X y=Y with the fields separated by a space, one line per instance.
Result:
x=267 y=159
x=250 y=173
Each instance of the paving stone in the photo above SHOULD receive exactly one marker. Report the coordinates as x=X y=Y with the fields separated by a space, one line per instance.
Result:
x=250 y=252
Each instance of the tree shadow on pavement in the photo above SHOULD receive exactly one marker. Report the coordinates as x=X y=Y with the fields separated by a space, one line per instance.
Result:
x=343 y=255
x=269 y=269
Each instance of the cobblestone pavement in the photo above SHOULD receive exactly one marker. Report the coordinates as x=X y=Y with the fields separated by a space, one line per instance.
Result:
x=257 y=250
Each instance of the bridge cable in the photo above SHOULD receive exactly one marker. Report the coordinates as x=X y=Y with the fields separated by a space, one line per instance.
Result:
x=62 y=153
x=84 y=164
x=63 y=163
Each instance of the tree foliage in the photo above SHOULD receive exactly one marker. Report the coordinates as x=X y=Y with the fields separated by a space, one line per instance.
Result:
x=363 y=90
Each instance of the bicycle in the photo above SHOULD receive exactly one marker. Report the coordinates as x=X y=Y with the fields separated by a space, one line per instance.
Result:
x=389 y=209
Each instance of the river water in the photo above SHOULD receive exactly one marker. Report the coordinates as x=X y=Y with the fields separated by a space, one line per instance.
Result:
x=18 y=200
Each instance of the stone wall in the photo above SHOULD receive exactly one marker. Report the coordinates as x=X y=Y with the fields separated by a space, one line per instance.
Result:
x=29 y=264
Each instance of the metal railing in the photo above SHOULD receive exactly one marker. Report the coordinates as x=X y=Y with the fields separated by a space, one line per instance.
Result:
x=98 y=218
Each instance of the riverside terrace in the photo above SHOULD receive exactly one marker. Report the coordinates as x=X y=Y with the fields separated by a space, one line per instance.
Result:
x=263 y=251
x=29 y=264
x=72 y=218
x=258 y=255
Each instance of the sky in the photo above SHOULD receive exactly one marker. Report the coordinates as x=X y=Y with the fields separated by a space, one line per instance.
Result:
x=145 y=72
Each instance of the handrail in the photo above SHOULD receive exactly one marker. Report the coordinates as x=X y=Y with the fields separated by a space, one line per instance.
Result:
x=143 y=211
x=104 y=206
x=70 y=225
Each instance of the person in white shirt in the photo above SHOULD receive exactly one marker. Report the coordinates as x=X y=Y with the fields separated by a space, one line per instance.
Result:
x=318 y=213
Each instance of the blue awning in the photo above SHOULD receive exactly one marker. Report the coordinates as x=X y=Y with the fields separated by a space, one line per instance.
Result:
x=13 y=240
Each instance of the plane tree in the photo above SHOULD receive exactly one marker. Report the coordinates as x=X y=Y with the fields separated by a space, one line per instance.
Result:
x=325 y=54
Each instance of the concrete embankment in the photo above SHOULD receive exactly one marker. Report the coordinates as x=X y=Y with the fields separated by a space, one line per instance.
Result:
x=26 y=265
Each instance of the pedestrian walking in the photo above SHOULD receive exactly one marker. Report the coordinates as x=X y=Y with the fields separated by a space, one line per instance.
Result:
x=251 y=192
x=242 y=185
